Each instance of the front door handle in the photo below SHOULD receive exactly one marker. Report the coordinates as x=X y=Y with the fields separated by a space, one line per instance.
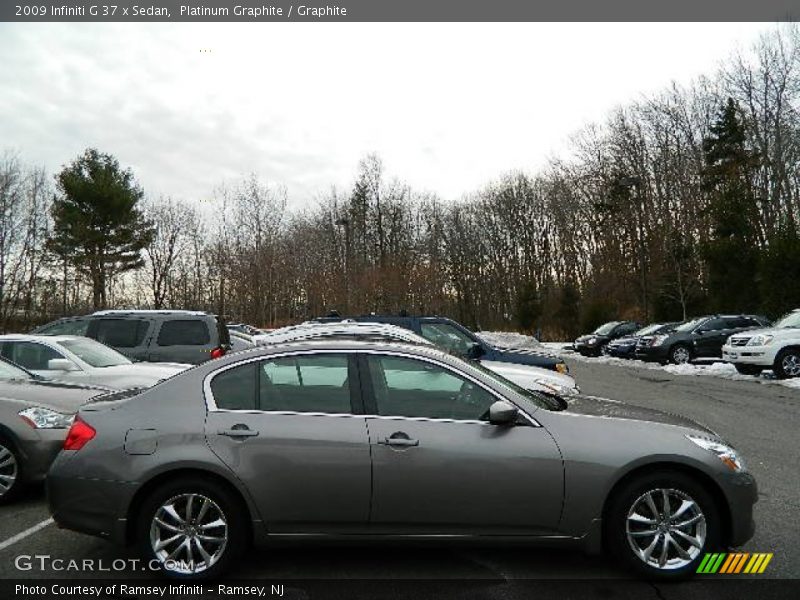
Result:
x=238 y=431
x=399 y=439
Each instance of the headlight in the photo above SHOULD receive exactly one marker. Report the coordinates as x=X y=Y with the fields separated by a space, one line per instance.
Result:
x=760 y=340
x=659 y=339
x=43 y=418
x=555 y=388
x=592 y=340
x=726 y=454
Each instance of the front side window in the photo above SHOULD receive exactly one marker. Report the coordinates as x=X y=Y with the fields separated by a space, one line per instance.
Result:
x=121 y=333
x=30 y=355
x=406 y=387
x=446 y=336
x=303 y=383
x=94 y=353
x=713 y=325
x=183 y=332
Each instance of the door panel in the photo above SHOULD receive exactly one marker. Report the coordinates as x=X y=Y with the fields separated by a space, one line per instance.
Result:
x=307 y=473
x=464 y=478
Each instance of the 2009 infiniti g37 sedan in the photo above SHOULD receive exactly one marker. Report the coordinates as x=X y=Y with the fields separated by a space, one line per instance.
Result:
x=377 y=441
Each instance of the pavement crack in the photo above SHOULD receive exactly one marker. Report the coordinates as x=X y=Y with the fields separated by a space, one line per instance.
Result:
x=657 y=590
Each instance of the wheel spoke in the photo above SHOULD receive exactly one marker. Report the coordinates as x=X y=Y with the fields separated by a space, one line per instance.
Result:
x=643 y=533
x=685 y=505
x=665 y=501
x=164 y=543
x=650 y=504
x=213 y=524
x=170 y=510
x=662 y=559
x=203 y=509
x=648 y=552
x=183 y=545
x=692 y=540
x=681 y=550
x=167 y=526
x=206 y=556
x=689 y=521
x=637 y=518
x=189 y=501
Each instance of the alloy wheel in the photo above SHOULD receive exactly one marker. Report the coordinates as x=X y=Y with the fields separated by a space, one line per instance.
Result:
x=189 y=533
x=666 y=529
x=681 y=355
x=9 y=470
x=791 y=365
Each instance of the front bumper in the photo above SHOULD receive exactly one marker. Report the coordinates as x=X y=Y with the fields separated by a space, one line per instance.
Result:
x=621 y=351
x=652 y=353
x=584 y=348
x=763 y=356
x=741 y=492
x=39 y=448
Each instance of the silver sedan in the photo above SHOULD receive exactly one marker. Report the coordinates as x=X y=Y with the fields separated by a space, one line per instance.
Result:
x=383 y=441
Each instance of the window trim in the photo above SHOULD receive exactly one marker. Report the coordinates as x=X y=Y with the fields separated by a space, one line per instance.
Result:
x=356 y=399
x=364 y=388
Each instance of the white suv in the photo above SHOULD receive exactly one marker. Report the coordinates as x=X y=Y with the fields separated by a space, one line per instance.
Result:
x=776 y=348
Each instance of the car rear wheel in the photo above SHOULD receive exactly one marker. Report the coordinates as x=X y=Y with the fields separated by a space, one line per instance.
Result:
x=661 y=525
x=9 y=472
x=193 y=529
x=787 y=364
x=749 y=369
x=680 y=354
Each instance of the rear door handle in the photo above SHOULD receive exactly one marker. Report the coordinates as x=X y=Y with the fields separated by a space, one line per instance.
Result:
x=243 y=432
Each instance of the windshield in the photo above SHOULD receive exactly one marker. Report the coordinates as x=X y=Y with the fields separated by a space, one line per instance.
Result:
x=689 y=325
x=448 y=337
x=94 y=353
x=9 y=371
x=607 y=328
x=540 y=400
x=649 y=329
x=790 y=320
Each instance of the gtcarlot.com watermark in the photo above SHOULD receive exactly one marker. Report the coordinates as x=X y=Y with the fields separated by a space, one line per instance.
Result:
x=45 y=562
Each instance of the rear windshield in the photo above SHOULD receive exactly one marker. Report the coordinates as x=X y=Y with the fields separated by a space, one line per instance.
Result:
x=184 y=332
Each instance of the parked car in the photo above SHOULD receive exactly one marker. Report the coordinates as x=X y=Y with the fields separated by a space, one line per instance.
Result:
x=595 y=343
x=702 y=337
x=34 y=418
x=527 y=376
x=244 y=329
x=625 y=347
x=241 y=341
x=336 y=439
x=77 y=359
x=182 y=336
x=454 y=337
x=776 y=348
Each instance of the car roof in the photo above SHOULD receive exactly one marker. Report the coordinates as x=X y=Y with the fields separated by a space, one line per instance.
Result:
x=312 y=330
x=136 y=311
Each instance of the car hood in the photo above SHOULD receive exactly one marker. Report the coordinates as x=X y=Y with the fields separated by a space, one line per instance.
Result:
x=527 y=376
x=776 y=331
x=595 y=406
x=56 y=395
x=628 y=340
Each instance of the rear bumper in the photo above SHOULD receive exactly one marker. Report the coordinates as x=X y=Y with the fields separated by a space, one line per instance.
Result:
x=91 y=506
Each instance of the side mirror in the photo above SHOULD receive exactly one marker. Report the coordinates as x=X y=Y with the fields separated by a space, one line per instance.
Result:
x=475 y=351
x=502 y=413
x=61 y=364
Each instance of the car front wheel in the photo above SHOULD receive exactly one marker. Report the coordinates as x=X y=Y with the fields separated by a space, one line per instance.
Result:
x=661 y=525
x=787 y=364
x=680 y=354
x=9 y=472
x=192 y=529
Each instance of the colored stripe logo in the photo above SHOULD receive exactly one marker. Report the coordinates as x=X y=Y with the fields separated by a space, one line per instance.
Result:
x=734 y=563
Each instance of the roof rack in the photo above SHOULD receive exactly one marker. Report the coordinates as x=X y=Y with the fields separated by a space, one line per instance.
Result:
x=137 y=311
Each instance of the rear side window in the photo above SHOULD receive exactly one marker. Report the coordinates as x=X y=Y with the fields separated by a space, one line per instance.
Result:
x=72 y=327
x=235 y=389
x=742 y=322
x=121 y=333
x=183 y=332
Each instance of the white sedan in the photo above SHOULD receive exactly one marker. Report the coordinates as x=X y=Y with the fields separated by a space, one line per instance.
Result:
x=79 y=359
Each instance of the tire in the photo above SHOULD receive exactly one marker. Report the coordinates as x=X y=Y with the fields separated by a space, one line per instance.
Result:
x=10 y=472
x=680 y=354
x=787 y=364
x=627 y=539
x=223 y=544
x=749 y=369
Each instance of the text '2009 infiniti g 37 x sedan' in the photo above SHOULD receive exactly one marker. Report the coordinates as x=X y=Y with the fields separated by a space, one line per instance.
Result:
x=377 y=441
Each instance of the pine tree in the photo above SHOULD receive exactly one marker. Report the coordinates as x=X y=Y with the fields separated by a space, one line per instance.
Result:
x=528 y=307
x=97 y=220
x=731 y=253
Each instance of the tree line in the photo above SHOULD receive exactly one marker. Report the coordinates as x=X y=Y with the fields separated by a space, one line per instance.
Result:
x=683 y=202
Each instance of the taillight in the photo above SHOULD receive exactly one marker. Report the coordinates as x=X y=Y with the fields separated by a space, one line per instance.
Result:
x=79 y=434
x=218 y=352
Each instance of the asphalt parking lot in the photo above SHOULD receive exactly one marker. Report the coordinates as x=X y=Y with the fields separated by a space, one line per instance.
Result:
x=760 y=420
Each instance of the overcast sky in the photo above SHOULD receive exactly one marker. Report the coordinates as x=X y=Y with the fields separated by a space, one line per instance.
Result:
x=447 y=106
